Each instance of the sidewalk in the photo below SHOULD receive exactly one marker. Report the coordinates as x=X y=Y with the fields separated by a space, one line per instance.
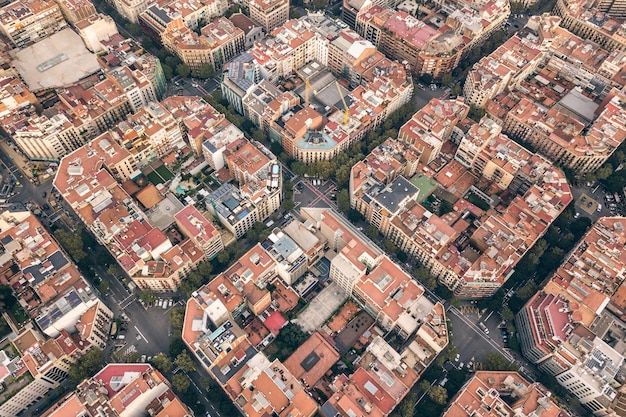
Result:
x=24 y=165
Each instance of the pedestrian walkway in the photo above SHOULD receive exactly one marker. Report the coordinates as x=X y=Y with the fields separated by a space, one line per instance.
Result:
x=465 y=309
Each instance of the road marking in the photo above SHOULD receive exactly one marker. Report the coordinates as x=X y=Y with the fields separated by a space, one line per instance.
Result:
x=141 y=334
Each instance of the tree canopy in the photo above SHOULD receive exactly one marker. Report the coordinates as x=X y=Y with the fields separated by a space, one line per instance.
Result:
x=72 y=243
x=184 y=362
x=87 y=365
x=495 y=362
x=162 y=362
x=438 y=394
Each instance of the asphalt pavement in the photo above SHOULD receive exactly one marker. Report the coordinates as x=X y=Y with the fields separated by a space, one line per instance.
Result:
x=308 y=195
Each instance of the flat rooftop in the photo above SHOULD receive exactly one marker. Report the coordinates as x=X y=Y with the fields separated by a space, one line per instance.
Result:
x=57 y=61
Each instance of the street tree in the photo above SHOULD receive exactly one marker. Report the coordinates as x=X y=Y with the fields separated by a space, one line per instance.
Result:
x=162 y=362
x=372 y=232
x=183 y=70
x=424 y=385
x=298 y=167
x=506 y=314
x=103 y=286
x=206 y=383
x=72 y=242
x=133 y=357
x=343 y=200
x=424 y=276
x=527 y=291
x=184 y=362
x=407 y=406
x=181 y=382
x=446 y=79
x=206 y=71
x=114 y=270
x=496 y=362
x=177 y=316
x=147 y=297
x=133 y=28
x=438 y=394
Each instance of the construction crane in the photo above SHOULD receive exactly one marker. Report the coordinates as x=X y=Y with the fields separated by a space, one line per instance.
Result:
x=346 y=111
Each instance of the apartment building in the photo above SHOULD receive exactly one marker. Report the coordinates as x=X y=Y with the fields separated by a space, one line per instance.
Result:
x=57 y=299
x=581 y=292
x=382 y=377
x=615 y=8
x=194 y=13
x=591 y=141
x=504 y=68
x=270 y=14
x=80 y=115
x=389 y=194
x=595 y=23
x=95 y=324
x=333 y=117
x=576 y=129
x=145 y=69
x=431 y=126
x=252 y=31
x=207 y=131
x=24 y=23
x=94 y=30
x=435 y=44
x=265 y=103
x=488 y=393
x=131 y=9
x=218 y=42
x=122 y=389
x=260 y=188
x=239 y=76
x=155 y=125
x=43 y=364
x=144 y=252
x=303 y=235
x=14 y=96
x=197 y=228
x=76 y=10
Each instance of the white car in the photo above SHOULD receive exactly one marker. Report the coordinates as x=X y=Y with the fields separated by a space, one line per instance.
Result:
x=160 y=302
x=457 y=357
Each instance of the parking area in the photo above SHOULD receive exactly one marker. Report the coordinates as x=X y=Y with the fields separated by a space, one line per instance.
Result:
x=321 y=308
x=587 y=204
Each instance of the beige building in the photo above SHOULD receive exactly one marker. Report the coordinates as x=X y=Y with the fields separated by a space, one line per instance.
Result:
x=435 y=44
x=269 y=13
x=122 y=389
x=76 y=10
x=95 y=29
x=219 y=41
x=27 y=22
x=595 y=24
x=387 y=189
x=95 y=324
x=197 y=228
x=45 y=363
x=131 y=9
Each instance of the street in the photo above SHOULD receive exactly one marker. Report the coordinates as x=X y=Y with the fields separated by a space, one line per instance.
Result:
x=306 y=194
